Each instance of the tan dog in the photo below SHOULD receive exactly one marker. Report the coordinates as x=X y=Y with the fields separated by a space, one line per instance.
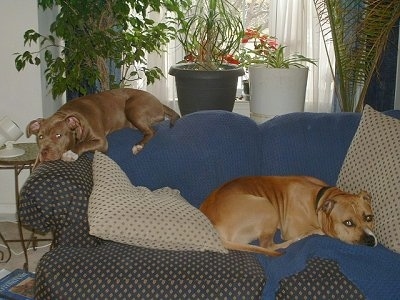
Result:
x=250 y=208
x=82 y=124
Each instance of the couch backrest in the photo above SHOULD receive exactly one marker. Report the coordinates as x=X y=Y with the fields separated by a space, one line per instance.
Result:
x=313 y=144
x=205 y=149
x=202 y=151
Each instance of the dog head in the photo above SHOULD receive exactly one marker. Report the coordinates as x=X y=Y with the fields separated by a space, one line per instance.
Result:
x=347 y=217
x=55 y=135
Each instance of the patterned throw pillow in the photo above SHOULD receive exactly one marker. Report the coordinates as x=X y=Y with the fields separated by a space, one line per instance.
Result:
x=372 y=164
x=160 y=219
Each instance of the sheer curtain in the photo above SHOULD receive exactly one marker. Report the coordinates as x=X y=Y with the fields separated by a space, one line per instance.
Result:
x=295 y=24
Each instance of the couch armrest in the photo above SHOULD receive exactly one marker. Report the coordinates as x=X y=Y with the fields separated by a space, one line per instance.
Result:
x=55 y=198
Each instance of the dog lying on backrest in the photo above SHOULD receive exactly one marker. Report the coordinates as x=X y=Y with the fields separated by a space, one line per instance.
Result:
x=82 y=124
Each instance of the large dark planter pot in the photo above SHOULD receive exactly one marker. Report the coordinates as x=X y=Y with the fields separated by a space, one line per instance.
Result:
x=205 y=90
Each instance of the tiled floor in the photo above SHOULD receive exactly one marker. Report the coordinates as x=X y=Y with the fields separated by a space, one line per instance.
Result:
x=9 y=230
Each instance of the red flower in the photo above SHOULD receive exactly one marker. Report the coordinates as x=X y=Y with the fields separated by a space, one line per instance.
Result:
x=259 y=46
x=190 y=57
x=230 y=59
x=273 y=44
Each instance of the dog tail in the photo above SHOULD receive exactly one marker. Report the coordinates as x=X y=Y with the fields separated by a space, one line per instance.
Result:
x=250 y=248
x=171 y=114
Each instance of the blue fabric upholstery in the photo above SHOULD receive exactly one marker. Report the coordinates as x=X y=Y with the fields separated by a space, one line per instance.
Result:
x=199 y=153
x=313 y=144
x=308 y=144
x=375 y=271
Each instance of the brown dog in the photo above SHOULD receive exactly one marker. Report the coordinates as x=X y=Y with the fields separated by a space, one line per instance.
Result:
x=250 y=208
x=82 y=124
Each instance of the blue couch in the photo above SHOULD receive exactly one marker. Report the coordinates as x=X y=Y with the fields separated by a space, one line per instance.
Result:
x=202 y=151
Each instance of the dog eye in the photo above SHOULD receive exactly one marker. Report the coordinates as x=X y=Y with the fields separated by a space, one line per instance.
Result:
x=58 y=135
x=40 y=137
x=348 y=223
x=369 y=218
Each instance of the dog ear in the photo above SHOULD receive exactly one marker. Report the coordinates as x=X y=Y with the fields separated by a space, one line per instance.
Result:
x=33 y=127
x=73 y=123
x=325 y=219
x=365 y=195
x=327 y=206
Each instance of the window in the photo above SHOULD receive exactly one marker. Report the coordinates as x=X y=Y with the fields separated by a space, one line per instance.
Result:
x=255 y=12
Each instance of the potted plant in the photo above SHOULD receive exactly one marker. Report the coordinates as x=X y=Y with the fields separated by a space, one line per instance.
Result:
x=206 y=79
x=359 y=32
x=277 y=82
x=100 y=44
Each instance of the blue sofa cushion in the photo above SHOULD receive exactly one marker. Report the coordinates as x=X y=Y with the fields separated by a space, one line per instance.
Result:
x=313 y=144
x=202 y=151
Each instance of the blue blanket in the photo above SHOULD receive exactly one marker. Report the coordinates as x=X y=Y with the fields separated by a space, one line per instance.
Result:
x=375 y=271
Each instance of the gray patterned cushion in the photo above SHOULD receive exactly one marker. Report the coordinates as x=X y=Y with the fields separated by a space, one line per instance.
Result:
x=372 y=164
x=54 y=198
x=321 y=279
x=120 y=271
x=160 y=219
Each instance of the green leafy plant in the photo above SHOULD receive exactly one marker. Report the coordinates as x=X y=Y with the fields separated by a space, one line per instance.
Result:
x=90 y=37
x=211 y=33
x=359 y=31
x=266 y=50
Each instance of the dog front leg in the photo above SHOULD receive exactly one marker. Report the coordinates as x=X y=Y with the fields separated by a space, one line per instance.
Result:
x=86 y=146
x=69 y=156
x=148 y=133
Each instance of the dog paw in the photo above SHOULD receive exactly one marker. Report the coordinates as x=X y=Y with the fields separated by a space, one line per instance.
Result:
x=69 y=156
x=136 y=149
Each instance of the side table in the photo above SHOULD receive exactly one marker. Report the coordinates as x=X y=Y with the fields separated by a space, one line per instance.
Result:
x=19 y=163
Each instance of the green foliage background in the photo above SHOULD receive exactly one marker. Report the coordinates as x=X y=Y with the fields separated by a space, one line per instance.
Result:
x=88 y=34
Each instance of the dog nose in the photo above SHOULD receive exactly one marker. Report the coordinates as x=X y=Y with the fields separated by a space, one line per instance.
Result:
x=370 y=240
x=44 y=153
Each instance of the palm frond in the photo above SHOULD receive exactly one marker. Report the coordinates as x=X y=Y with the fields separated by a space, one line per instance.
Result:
x=359 y=31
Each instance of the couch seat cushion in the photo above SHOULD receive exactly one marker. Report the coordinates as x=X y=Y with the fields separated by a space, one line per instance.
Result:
x=120 y=271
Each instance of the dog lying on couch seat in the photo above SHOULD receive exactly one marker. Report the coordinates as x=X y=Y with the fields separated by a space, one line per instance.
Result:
x=254 y=207
x=82 y=124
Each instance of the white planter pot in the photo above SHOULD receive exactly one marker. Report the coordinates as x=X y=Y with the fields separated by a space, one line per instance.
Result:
x=276 y=91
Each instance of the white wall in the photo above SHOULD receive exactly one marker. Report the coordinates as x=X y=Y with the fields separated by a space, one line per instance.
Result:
x=23 y=94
